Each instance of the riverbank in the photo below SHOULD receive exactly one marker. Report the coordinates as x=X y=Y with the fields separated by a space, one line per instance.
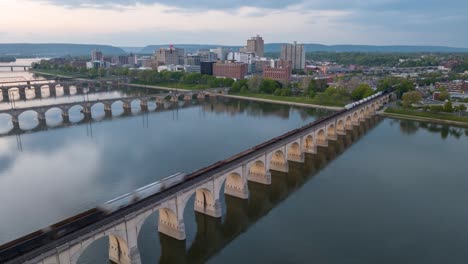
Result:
x=282 y=100
x=426 y=117
x=285 y=100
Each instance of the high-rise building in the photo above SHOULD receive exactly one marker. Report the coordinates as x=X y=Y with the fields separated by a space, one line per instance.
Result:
x=170 y=56
x=96 y=55
x=256 y=45
x=192 y=59
x=295 y=53
x=207 y=55
x=221 y=52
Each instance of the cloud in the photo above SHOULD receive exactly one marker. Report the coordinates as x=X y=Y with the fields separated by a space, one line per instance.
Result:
x=184 y=4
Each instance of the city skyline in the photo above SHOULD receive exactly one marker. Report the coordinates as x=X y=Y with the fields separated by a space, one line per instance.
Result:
x=140 y=23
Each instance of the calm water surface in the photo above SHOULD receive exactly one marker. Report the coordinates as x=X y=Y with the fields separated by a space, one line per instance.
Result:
x=389 y=192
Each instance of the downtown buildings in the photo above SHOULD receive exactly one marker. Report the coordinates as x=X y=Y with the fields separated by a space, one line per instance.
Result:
x=295 y=53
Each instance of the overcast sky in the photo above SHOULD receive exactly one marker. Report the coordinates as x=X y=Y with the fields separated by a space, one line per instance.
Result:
x=231 y=22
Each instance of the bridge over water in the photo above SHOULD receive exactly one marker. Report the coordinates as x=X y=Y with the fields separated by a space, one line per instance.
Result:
x=24 y=67
x=126 y=104
x=52 y=87
x=123 y=225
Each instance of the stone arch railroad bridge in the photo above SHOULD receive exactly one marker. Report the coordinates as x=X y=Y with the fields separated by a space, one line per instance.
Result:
x=123 y=226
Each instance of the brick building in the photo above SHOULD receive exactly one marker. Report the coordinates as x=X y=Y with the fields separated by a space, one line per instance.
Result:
x=233 y=70
x=281 y=72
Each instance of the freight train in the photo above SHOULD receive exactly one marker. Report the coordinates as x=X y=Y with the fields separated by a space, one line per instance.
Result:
x=25 y=244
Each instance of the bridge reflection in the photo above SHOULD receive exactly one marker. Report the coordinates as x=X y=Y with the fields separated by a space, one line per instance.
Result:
x=213 y=234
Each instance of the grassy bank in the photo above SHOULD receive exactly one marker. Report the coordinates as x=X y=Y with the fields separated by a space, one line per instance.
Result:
x=60 y=73
x=178 y=85
x=447 y=118
x=295 y=99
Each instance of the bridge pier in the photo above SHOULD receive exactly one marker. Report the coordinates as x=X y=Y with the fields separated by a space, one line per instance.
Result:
x=127 y=108
x=188 y=97
x=79 y=89
x=15 y=121
x=107 y=110
x=66 y=89
x=201 y=96
x=87 y=113
x=5 y=95
x=53 y=91
x=42 y=119
x=22 y=94
x=37 y=92
x=144 y=105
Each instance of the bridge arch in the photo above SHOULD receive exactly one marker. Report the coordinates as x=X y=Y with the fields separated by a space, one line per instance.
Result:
x=331 y=132
x=361 y=114
x=258 y=172
x=309 y=145
x=278 y=161
x=321 y=138
x=117 y=251
x=349 y=122
x=236 y=185
x=295 y=153
x=340 y=126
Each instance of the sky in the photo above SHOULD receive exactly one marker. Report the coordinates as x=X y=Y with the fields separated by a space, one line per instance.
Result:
x=231 y=22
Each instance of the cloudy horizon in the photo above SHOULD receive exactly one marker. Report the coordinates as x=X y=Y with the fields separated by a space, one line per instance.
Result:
x=129 y=23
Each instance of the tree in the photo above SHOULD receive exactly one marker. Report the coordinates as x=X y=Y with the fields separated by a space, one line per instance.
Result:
x=235 y=88
x=268 y=86
x=410 y=98
x=448 y=107
x=331 y=91
x=254 y=83
x=443 y=95
x=362 y=91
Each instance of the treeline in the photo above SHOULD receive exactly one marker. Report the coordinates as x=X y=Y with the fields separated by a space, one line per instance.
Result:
x=7 y=59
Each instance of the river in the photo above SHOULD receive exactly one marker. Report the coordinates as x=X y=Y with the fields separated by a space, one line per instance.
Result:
x=390 y=192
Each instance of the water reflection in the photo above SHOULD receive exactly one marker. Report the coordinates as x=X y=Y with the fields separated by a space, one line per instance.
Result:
x=122 y=153
x=410 y=127
x=207 y=236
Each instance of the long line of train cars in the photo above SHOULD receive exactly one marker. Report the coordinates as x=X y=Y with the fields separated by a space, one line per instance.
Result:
x=36 y=239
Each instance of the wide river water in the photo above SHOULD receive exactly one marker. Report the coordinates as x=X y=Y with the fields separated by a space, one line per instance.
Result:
x=390 y=192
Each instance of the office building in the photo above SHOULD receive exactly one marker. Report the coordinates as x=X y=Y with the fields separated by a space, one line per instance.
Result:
x=256 y=45
x=170 y=56
x=206 y=67
x=96 y=55
x=295 y=53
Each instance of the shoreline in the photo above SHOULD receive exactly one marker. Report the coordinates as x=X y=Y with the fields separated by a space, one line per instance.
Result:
x=424 y=119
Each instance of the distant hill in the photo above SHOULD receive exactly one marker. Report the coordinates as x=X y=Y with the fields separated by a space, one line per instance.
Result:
x=276 y=47
x=132 y=49
x=52 y=50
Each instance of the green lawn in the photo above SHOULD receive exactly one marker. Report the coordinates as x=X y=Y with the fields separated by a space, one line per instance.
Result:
x=318 y=100
x=179 y=85
x=442 y=116
x=61 y=73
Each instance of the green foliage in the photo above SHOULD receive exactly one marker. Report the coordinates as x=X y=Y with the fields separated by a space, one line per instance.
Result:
x=362 y=91
x=436 y=108
x=269 y=86
x=410 y=98
x=433 y=115
x=400 y=85
x=444 y=95
x=448 y=107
